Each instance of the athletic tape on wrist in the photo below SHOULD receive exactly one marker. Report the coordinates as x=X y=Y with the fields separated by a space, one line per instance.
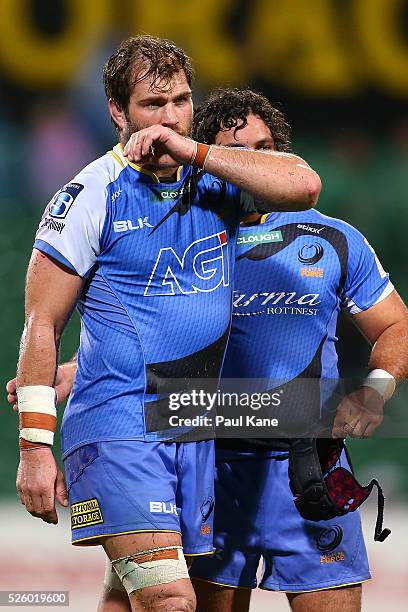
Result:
x=37 y=412
x=381 y=381
x=201 y=155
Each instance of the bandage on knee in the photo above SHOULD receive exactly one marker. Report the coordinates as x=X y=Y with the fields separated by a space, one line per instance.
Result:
x=151 y=567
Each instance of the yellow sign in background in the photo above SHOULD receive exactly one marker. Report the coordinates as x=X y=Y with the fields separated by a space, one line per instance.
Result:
x=316 y=47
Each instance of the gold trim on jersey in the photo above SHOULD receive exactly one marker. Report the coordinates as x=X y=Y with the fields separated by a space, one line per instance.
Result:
x=117 y=158
x=144 y=170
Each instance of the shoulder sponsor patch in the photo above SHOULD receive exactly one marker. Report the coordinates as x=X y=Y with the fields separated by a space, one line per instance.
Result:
x=62 y=202
x=86 y=513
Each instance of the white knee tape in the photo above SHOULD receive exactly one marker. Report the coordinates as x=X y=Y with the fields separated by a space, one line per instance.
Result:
x=151 y=567
x=111 y=580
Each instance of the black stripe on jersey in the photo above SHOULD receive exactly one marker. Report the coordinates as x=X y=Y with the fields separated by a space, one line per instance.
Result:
x=290 y=232
x=179 y=376
x=204 y=364
x=301 y=405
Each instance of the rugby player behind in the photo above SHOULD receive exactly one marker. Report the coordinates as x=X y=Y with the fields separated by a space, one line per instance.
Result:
x=151 y=277
x=293 y=275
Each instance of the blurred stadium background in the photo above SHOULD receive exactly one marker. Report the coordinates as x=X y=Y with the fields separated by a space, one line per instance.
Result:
x=339 y=68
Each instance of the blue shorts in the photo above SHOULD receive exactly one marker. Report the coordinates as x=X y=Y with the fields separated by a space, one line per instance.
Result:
x=130 y=486
x=256 y=519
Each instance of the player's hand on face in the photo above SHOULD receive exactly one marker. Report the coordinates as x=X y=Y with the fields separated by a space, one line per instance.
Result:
x=63 y=384
x=39 y=483
x=359 y=414
x=159 y=145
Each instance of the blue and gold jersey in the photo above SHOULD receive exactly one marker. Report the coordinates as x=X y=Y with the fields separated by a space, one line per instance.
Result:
x=293 y=274
x=157 y=262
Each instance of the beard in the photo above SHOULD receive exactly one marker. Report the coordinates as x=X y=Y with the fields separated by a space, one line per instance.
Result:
x=132 y=126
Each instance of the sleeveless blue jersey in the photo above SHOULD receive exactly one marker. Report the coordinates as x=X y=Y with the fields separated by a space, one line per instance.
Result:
x=293 y=274
x=157 y=298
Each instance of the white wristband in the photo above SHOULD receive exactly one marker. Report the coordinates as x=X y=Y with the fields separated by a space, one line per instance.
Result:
x=34 y=401
x=36 y=398
x=35 y=435
x=381 y=381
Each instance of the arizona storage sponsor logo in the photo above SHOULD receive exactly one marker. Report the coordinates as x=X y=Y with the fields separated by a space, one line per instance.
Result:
x=86 y=513
x=259 y=237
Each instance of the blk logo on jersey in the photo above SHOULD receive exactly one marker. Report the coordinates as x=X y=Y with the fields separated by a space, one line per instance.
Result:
x=163 y=507
x=203 y=267
x=63 y=201
x=128 y=225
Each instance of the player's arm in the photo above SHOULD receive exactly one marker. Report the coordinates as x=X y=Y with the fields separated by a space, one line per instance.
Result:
x=385 y=325
x=281 y=180
x=64 y=381
x=51 y=295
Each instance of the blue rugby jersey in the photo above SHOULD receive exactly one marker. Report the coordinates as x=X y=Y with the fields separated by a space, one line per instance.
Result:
x=158 y=259
x=293 y=274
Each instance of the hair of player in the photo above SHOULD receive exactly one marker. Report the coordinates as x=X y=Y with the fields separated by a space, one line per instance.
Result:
x=141 y=57
x=229 y=108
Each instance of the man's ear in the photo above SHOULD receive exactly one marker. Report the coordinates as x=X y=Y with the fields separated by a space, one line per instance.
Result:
x=118 y=115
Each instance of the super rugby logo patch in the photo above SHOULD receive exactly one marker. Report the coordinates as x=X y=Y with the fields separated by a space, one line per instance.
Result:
x=203 y=267
x=62 y=202
x=86 y=513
